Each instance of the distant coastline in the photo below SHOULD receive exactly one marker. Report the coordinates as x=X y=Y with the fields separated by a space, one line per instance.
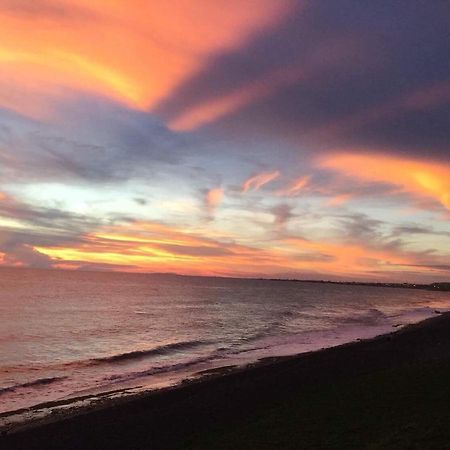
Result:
x=442 y=286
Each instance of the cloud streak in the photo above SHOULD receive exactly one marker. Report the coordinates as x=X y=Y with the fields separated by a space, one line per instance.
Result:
x=295 y=187
x=256 y=182
x=158 y=247
x=216 y=108
x=134 y=53
x=416 y=177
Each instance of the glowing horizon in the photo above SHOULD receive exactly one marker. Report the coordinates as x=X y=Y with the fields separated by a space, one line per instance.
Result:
x=225 y=138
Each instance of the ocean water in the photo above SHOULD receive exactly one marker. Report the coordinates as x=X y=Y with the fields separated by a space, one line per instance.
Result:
x=70 y=334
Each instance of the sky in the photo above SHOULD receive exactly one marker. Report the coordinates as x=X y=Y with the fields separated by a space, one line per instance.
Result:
x=250 y=138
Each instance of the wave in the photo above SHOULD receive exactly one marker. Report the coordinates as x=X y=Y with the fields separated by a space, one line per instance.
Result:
x=158 y=370
x=258 y=335
x=372 y=316
x=155 y=351
x=117 y=358
x=34 y=383
x=279 y=325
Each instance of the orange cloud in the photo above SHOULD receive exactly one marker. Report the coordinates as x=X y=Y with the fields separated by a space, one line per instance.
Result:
x=213 y=199
x=295 y=187
x=153 y=247
x=350 y=259
x=419 y=178
x=339 y=200
x=146 y=246
x=257 y=181
x=135 y=52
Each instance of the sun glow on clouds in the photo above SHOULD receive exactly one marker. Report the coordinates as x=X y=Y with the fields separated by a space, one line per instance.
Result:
x=346 y=257
x=338 y=200
x=213 y=199
x=295 y=187
x=147 y=246
x=419 y=178
x=256 y=182
x=89 y=179
x=135 y=52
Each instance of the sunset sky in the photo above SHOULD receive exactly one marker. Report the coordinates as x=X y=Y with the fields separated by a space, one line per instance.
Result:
x=273 y=138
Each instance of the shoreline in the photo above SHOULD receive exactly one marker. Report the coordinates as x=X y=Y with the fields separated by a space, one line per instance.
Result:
x=55 y=410
x=87 y=399
x=209 y=380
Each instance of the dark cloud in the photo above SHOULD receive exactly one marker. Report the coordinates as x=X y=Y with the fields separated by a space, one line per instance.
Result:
x=314 y=257
x=427 y=265
x=328 y=183
x=43 y=227
x=282 y=213
x=445 y=267
x=17 y=248
x=418 y=229
x=56 y=220
x=100 y=267
x=25 y=255
x=360 y=228
x=140 y=201
x=195 y=250
x=371 y=67
x=106 y=143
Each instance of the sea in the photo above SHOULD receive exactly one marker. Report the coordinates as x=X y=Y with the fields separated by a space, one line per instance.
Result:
x=71 y=335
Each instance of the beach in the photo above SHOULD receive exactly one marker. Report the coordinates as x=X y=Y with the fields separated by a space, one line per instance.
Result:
x=129 y=333
x=388 y=392
x=224 y=225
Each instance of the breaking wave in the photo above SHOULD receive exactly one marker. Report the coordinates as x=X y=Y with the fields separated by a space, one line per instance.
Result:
x=155 y=351
x=28 y=384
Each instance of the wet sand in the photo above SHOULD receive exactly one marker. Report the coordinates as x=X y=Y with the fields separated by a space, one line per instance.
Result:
x=391 y=392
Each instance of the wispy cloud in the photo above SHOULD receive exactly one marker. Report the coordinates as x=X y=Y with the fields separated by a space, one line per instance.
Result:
x=338 y=200
x=213 y=198
x=238 y=98
x=115 y=144
x=256 y=182
x=282 y=213
x=419 y=178
x=295 y=187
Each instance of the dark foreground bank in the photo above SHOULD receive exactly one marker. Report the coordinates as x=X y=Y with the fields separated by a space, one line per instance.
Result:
x=391 y=392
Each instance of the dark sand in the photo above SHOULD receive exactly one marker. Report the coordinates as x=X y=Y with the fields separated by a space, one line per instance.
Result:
x=392 y=392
